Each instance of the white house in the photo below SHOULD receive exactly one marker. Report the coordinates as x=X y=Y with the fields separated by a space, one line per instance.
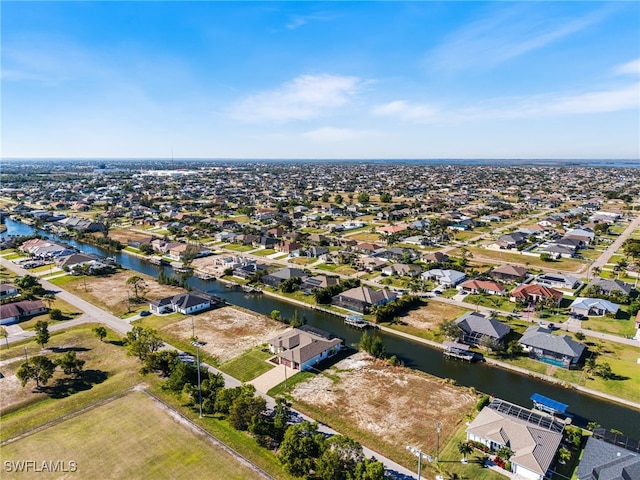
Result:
x=449 y=278
x=185 y=303
x=593 y=306
x=301 y=348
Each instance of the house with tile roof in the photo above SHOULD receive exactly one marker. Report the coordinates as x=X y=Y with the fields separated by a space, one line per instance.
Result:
x=559 y=350
x=185 y=303
x=302 y=348
x=533 y=438
x=487 y=286
x=509 y=273
x=448 y=277
x=528 y=294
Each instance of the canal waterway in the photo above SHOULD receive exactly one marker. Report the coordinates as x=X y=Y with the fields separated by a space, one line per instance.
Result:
x=508 y=385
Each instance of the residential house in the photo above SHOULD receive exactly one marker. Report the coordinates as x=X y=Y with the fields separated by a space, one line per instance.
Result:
x=593 y=306
x=402 y=269
x=266 y=242
x=302 y=348
x=7 y=290
x=361 y=299
x=584 y=235
x=478 y=329
x=479 y=286
x=437 y=257
x=368 y=248
x=608 y=286
x=531 y=294
x=318 y=282
x=14 y=312
x=185 y=303
x=558 y=280
x=288 y=247
x=372 y=263
x=316 y=251
x=509 y=273
x=606 y=458
x=512 y=240
x=70 y=261
x=533 y=438
x=558 y=350
x=448 y=278
x=276 y=278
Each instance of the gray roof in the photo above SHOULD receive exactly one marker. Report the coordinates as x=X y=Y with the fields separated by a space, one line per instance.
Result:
x=286 y=273
x=604 y=461
x=540 y=337
x=608 y=285
x=302 y=344
x=478 y=323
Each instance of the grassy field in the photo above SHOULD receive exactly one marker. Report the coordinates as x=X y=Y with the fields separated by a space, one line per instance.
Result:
x=563 y=264
x=130 y=437
x=68 y=310
x=251 y=364
x=265 y=252
x=614 y=326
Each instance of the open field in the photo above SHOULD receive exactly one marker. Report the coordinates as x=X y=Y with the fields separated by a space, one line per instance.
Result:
x=112 y=293
x=384 y=407
x=115 y=440
x=226 y=332
x=423 y=322
x=108 y=370
x=564 y=264
x=124 y=235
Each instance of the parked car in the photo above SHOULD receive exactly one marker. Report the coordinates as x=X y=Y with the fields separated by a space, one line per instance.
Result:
x=145 y=313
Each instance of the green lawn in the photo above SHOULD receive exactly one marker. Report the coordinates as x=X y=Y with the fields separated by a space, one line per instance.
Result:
x=239 y=248
x=491 y=301
x=567 y=264
x=129 y=437
x=327 y=267
x=264 y=252
x=44 y=268
x=614 y=326
x=251 y=364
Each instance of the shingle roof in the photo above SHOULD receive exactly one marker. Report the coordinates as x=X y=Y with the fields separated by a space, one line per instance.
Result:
x=604 y=461
x=540 y=337
x=476 y=322
x=584 y=303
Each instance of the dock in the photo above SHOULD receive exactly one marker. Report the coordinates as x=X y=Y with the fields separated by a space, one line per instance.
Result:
x=359 y=322
x=458 y=351
x=250 y=289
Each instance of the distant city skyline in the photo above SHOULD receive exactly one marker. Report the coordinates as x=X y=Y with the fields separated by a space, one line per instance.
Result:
x=313 y=80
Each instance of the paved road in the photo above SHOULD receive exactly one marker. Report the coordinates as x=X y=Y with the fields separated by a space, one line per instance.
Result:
x=94 y=314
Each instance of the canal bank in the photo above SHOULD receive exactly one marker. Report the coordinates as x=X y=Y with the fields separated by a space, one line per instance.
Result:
x=504 y=383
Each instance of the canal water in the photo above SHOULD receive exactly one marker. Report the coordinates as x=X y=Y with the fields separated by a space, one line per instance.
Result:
x=505 y=384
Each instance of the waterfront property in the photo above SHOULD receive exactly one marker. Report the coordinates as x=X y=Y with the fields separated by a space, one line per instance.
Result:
x=302 y=348
x=447 y=277
x=559 y=350
x=185 y=303
x=608 y=456
x=361 y=299
x=534 y=438
x=478 y=329
x=276 y=278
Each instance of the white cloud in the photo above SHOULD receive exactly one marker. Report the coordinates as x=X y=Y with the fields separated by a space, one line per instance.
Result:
x=331 y=134
x=405 y=111
x=629 y=68
x=305 y=97
x=505 y=34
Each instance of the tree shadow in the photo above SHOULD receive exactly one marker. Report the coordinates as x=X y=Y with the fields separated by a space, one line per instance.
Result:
x=69 y=349
x=117 y=343
x=67 y=386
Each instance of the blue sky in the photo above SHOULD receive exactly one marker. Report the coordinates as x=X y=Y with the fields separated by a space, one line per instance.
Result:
x=321 y=79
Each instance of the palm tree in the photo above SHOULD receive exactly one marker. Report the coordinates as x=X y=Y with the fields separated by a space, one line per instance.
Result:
x=465 y=449
x=564 y=455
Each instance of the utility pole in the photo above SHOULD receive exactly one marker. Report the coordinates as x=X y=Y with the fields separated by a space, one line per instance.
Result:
x=438 y=424
x=419 y=453
x=198 y=345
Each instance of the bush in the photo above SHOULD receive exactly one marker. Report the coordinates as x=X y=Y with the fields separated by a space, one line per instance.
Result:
x=483 y=402
x=56 y=314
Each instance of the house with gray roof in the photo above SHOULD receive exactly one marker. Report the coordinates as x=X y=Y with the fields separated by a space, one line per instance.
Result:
x=533 y=437
x=185 y=303
x=558 y=280
x=476 y=328
x=602 y=460
x=607 y=286
x=361 y=299
x=560 y=350
x=301 y=348
x=276 y=278
x=593 y=306
x=448 y=277
x=14 y=312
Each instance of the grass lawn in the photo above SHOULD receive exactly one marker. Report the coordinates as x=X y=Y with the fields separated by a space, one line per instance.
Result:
x=50 y=267
x=302 y=260
x=14 y=256
x=567 y=264
x=614 y=326
x=363 y=236
x=251 y=364
x=68 y=310
x=239 y=248
x=345 y=270
x=67 y=279
x=265 y=252
x=491 y=301
x=591 y=253
x=114 y=440
x=327 y=267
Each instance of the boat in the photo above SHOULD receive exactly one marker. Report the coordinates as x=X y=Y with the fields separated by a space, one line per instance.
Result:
x=358 y=322
x=458 y=351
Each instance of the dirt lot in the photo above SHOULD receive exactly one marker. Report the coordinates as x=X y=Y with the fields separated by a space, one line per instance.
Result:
x=428 y=318
x=227 y=331
x=123 y=236
x=395 y=405
x=110 y=292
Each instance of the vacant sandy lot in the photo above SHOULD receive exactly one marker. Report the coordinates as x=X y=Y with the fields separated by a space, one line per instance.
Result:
x=123 y=236
x=111 y=294
x=227 y=331
x=430 y=316
x=397 y=405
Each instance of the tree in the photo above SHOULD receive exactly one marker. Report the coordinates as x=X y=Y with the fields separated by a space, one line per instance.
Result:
x=564 y=455
x=504 y=452
x=546 y=257
x=450 y=329
x=385 y=197
x=325 y=197
x=48 y=299
x=162 y=361
x=372 y=344
x=514 y=348
x=245 y=407
x=275 y=315
x=339 y=457
x=142 y=341
x=281 y=418
x=5 y=334
x=42 y=333
x=56 y=314
x=300 y=447
x=465 y=449
x=38 y=368
x=604 y=370
x=338 y=199
x=580 y=336
x=70 y=364
x=363 y=197
x=369 y=469
x=100 y=332
x=139 y=286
